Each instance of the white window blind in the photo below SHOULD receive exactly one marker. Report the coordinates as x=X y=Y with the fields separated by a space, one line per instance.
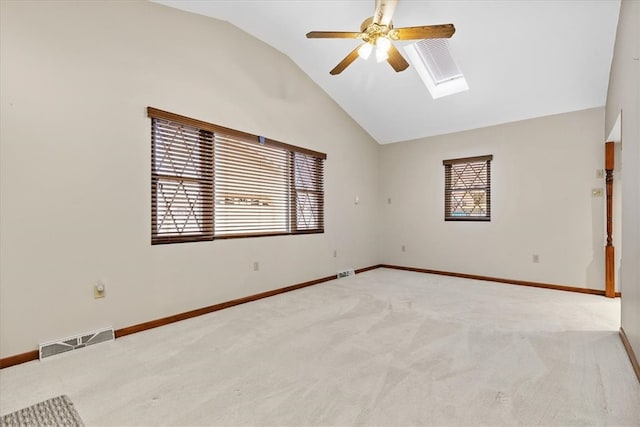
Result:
x=251 y=187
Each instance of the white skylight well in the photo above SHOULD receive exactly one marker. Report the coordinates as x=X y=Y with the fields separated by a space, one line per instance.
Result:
x=436 y=67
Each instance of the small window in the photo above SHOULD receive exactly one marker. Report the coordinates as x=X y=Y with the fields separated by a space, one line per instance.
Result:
x=467 y=189
x=309 y=196
x=251 y=188
x=211 y=182
x=436 y=67
x=181 y=182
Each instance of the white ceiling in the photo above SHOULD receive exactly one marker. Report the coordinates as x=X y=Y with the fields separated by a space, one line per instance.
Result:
x=522 y=59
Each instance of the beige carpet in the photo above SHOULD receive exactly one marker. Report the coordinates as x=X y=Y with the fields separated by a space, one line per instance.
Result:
x=385 y=347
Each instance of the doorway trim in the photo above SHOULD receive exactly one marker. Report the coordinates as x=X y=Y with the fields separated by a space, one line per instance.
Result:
x=609 y=250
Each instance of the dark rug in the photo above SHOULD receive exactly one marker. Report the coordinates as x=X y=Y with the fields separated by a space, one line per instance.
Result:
x=58 y=411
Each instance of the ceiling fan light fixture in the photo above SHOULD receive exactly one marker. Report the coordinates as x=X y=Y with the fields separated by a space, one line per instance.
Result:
x=365 y=50
x=381 y=55
x=383 y=43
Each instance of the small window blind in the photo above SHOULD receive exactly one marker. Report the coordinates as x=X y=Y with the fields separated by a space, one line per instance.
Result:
x=309 y=193
x=181 y=182
x=212 y=182
x=467 y=189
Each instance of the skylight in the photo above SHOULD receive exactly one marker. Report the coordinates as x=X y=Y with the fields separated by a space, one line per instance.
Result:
x=436 y=67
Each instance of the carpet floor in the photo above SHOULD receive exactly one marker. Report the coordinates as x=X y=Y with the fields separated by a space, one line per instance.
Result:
x=385 y=347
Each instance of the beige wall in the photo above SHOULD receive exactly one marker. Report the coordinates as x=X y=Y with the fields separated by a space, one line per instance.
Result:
x=624 y=96
x=76 y=78
x=542 y=174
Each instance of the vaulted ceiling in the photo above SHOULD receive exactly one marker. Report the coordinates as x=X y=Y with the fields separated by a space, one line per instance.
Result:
x=522 y=59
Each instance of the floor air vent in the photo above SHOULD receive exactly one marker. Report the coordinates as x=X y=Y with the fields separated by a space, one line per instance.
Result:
x=345 y=273
x=73 y=343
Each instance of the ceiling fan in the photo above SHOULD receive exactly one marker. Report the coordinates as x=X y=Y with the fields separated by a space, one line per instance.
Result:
x=377 y=31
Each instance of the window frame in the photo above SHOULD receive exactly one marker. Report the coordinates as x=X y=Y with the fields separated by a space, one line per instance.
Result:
x=254 y=142
x=485 y=186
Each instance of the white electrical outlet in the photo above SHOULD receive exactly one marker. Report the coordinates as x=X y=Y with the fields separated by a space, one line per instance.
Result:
x=256 y=266
x=335 y=253
x=99 y=289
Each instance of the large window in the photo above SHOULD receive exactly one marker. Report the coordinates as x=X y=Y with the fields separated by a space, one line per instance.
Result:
x=211 y=182
x=467 y=189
